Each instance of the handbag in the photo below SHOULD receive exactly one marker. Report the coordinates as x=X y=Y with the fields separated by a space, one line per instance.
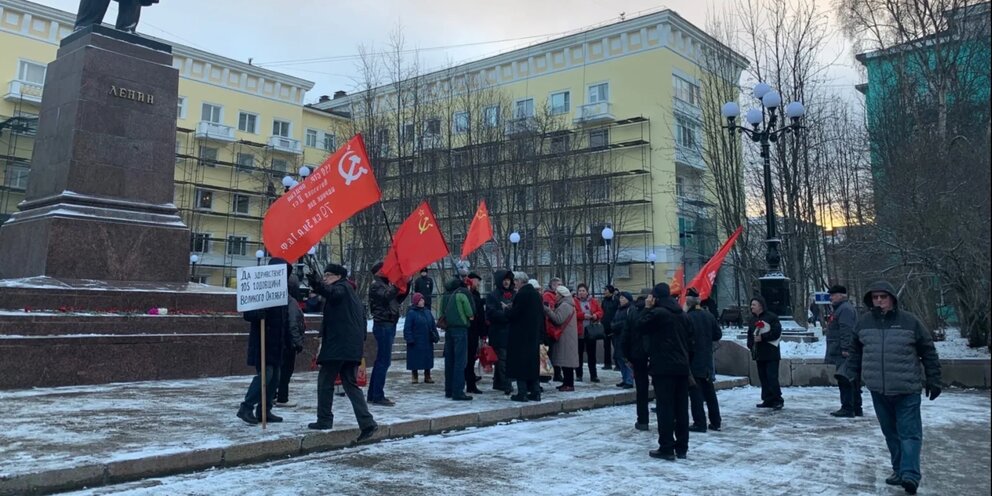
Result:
x=361 y=376
x=546 y=369
x=595 y=331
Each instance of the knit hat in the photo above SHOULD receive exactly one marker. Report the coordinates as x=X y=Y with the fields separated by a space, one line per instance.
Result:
x=660 y=291
x=627 y=295
x=416 y=299
x=837 y=288
x=563 y=291
x=534 y=283
x=611 y=288
x=336 y=269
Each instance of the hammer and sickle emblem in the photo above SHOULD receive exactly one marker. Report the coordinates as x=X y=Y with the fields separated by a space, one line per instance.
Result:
x=424 y=225
x=355 y=163
x=482 y=214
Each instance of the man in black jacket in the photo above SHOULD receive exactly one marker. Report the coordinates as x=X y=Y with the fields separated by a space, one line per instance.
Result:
x=342 y=344
x=706 y=331
x=669 y=343
x=277 y=338
x=635 y=352
x=384 y=303
x=763 y=334
x=425 y=286
x=888 y=348
x=497 y=302
x=840 y=335
x=476 y=331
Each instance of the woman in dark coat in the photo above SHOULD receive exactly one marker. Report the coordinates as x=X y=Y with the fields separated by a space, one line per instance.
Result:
x=523 y=354
x=417 y=332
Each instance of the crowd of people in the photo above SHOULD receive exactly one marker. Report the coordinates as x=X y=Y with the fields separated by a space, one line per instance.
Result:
x=653 y=341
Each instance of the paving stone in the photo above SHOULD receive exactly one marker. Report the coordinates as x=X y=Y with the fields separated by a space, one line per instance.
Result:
x=489 y=417
x=262 y=450
x=328 y=440
x=164 y=464
x=451 y=422
x=573 y=404
x=540 y=409
x=53 y=480
x=410 y=428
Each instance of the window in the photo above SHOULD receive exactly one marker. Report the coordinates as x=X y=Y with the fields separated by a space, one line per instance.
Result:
x=200 y=243
x=280 y=165
x=311 y=138
x=237 y=245
x=559 y=144
x=686 y=230
x=248 y=122
x=685 y=132
x=686 y=91
x=597 y=190
x=599 y=138
x=599 y=93
x=240 y=204
x=246 y=162
x=524 y=109
x=16 y=177
x=382 y=141
x=490 y=116
x=407 y=133
x=433 y=126
x=204 y=199
x=211 y=113
x=329 y=142
x=560 y=103
x=30 y=72
x=208 y=156
x=280 y=128
x=679 y=186
x=461 y=122
x=181 y=108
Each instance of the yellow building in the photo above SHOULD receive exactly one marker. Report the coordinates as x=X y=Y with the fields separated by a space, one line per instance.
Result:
x=610 y=118
x=240 y=130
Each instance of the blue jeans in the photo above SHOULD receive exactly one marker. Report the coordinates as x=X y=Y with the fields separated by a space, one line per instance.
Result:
x=455 y=359
x=385 y=334
x=626 y=374
x=899 y=418
x=253 y=396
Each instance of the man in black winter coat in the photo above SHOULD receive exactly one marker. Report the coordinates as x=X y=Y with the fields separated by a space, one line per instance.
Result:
x=342 y=345
x=840 y=336
x=610 y=305
x=523 y=352
x=889 y=346
x=763 y=334
x=384 y=304
x=476 y=331
x=669 y=342
x=706 y=331
x=425 y=286
x=277 y=338
x=635 y=352
x=497 y=302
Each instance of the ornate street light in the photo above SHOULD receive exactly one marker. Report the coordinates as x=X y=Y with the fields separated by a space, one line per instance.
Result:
x=514 y=239
x=259 y=255
x=652 y=258
x=193 y=259
x=608 y=239
x=765 y=128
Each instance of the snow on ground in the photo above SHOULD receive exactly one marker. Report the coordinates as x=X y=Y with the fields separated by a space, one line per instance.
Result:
x=954 y=347
x=798 y=450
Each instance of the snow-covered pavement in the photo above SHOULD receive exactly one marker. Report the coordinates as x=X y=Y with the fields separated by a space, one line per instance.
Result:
x=799 y=450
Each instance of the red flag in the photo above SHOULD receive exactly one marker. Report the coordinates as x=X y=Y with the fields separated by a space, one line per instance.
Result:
x=479 y=232
x=341 y=187
x=417 y=243
x=678 y=280
x=703 y=282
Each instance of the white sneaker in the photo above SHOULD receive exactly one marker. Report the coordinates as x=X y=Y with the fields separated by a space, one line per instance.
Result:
x=287 y=404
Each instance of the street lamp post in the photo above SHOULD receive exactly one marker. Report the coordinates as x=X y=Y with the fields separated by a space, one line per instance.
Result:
x=514 y=239
x=608 y=240
x=192 y=262
x=652 y=258
x=259 y=255
x=766 y=129
x=289 y=183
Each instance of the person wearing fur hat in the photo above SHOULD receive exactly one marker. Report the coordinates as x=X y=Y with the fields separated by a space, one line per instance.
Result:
x=418 y=332
x=277 y=338
x=565 y=353
x=706 y=331
x=763 y=334
x=840 y=334
x=669 y=345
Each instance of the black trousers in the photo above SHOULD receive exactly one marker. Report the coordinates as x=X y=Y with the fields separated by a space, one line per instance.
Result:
x=325 y=392
x=704 y=393
x=285 y=374
x=771 y=392
x=672 y=394
x=850 y=394
x=569 y=378
x=473 y=354
x=500 y=381
x=608 y=352
x=92 y=12
x=641 y=385
x=587 y=347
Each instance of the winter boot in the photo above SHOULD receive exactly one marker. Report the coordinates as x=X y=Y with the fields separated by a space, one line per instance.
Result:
x=910 y=486
x=367 y=433
x=657 y=453
x=842 y=413
x=244 y=413
x=269 y=417
x=415 y=379
x=894 y=480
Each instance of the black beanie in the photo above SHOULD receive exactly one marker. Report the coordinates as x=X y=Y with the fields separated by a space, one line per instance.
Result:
x=338 y=270
x=660 y=291
x=837 y=288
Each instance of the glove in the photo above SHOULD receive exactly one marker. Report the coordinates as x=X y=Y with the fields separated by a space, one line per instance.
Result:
x=298 y=348
x=932 y=391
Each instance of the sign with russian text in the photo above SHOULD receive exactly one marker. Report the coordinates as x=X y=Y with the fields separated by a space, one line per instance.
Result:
x=262 y=287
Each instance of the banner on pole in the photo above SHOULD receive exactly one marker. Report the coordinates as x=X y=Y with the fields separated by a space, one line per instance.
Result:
x=262 y=287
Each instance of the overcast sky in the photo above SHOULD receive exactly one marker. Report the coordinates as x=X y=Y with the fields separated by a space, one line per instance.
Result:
x=280 y=37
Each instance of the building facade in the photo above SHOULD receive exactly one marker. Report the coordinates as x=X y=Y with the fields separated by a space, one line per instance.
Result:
x=240 y=130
